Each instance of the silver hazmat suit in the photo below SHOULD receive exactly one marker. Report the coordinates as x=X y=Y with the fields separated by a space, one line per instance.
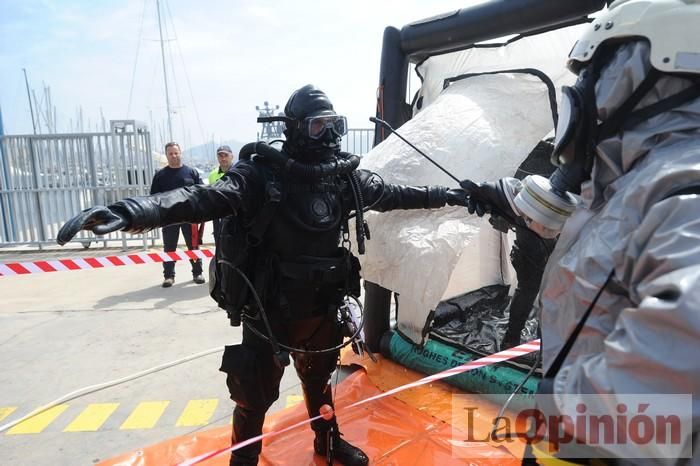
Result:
x=643 y=335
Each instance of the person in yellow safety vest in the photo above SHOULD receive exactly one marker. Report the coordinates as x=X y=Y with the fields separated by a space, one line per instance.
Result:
x=224 y=155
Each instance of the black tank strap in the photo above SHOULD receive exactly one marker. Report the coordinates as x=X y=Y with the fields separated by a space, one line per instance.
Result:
x=620 y=116
x=677 y=100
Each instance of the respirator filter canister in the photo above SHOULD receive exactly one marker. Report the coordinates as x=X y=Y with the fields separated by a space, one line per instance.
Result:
x=545 y=210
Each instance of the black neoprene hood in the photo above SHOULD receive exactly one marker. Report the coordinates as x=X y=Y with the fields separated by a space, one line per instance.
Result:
x=308 y=101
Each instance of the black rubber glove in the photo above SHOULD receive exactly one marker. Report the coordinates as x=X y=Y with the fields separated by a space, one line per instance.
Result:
x=457 y=197
x=486 y=198
x=100 y=220
x=489 y=198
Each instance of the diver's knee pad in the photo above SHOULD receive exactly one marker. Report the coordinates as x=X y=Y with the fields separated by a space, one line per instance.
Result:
x=253 y=378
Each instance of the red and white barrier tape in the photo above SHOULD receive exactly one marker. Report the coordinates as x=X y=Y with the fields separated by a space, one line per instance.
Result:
x=60 y=265
x=501 y=356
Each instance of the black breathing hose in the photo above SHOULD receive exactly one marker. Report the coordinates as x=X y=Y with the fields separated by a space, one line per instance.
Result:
x=359 y=205
x=346 y=163
x=377 y=201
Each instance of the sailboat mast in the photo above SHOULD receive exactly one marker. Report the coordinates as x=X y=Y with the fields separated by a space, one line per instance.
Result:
x=29 y=97
x=165 y=74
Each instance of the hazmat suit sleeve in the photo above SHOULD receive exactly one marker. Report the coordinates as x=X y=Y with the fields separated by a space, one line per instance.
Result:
x=240 y=189
x=383 y=197
x=654 y=345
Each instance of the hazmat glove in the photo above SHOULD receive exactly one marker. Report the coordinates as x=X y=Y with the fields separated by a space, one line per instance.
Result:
x=99 y=219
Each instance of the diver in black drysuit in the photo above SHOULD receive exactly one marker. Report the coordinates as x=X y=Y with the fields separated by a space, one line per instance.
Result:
x=298 y=265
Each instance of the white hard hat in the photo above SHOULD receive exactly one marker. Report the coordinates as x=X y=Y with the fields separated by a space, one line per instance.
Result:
x=672 y=27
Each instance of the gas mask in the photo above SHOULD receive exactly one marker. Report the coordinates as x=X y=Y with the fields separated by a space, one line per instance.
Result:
x=546 y=203
x=578 y=132
x=579 y=129
x=575 y=135
x=668 y=28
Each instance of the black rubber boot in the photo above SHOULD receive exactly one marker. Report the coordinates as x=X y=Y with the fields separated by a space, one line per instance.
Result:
x=238 y=461
x=246 y=424
x=316 y=395
x=342 y=451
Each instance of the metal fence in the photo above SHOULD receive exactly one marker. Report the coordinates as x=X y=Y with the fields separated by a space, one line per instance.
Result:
x=46 y=179
x=358 y=141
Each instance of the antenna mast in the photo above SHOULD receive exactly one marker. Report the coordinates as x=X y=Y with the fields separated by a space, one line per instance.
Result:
x=270 y=130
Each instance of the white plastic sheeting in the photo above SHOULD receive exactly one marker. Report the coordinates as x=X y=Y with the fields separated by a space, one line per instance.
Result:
x=546 y=52
x=480 y=128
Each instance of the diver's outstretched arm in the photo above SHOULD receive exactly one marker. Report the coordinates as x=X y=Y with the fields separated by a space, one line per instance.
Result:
x=383 y=197
x=238 y=190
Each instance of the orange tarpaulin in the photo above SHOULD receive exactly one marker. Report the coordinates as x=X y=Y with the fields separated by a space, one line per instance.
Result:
x=411 y=428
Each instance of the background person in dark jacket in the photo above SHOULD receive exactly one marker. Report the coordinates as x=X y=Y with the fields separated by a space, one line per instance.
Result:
x=177 y=175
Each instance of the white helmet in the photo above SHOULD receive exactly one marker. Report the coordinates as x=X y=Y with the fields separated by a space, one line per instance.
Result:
x=672 y=27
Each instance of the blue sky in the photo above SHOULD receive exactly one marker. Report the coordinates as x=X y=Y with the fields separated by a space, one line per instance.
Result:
x=237 y=54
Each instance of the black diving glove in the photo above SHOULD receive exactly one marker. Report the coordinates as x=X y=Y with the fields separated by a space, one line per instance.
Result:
x=490 y=198
x=99 y=219
x=486 y=198
x=457 y=197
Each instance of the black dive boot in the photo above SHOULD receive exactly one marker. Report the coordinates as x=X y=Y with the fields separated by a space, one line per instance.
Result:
x=246 y=424
x=238 y=461
x=317 y=393
x=341 y=450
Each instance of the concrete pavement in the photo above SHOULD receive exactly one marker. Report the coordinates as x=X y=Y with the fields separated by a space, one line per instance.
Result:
x=63 y=331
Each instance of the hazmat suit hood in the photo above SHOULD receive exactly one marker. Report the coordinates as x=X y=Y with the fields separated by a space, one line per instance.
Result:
x=616 y=155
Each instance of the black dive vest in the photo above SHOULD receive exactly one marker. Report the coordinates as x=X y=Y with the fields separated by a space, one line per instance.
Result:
x=289 y=252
